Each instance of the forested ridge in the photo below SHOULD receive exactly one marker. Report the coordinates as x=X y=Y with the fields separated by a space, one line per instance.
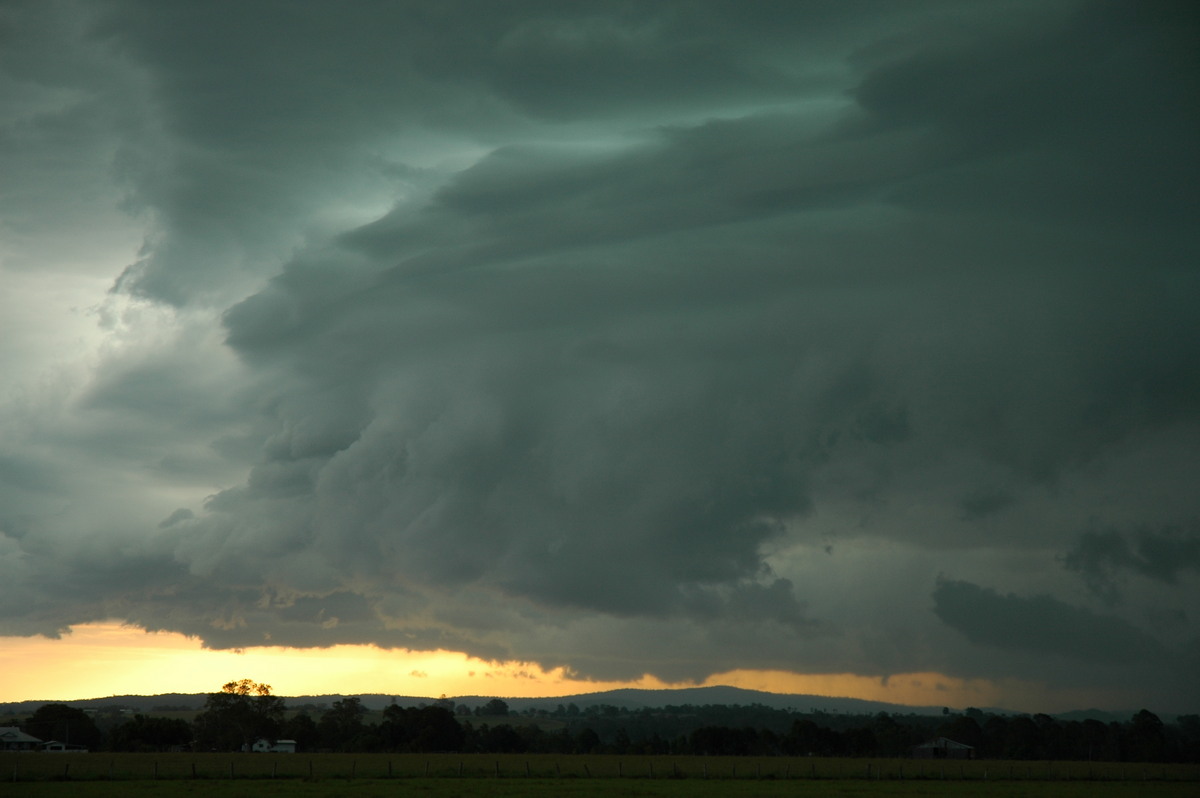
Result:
x=245 y=712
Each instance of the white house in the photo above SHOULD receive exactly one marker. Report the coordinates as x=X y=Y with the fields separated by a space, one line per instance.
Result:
x=13 y=739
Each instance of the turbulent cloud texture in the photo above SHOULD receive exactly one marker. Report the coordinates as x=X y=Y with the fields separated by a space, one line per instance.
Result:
x=660 y=338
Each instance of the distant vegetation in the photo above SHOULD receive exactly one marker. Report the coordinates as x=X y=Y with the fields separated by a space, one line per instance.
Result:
x=244 y=712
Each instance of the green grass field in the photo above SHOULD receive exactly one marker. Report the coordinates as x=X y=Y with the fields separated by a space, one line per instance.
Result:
x=446 y=775
x=563 y=788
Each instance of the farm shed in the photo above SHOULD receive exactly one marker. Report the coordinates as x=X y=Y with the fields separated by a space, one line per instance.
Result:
x=13 y=739
x=943 y=748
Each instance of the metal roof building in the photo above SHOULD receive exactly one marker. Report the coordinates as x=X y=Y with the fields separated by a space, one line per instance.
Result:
x=13 y=739
x=943 y=748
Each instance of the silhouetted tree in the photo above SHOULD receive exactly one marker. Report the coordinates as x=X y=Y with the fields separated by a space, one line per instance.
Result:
x=963 y=729
x=303 y=729
x=64 y=724
x=494 y=707
x=422 y=730
x=150 y=734
x=1147 y=740
x=242 y=713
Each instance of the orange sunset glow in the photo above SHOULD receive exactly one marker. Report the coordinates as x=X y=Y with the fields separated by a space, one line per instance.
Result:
x=102 y=659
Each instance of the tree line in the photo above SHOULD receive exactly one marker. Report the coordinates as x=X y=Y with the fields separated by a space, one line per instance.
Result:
x=244 y=712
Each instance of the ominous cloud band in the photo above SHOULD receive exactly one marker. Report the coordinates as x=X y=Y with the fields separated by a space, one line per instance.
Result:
x=665 y=338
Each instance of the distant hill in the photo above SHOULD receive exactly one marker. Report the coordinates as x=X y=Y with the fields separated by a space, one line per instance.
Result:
x=633 y=698
x=630 y=698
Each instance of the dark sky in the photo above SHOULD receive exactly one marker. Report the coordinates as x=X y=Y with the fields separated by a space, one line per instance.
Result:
x=631 y=337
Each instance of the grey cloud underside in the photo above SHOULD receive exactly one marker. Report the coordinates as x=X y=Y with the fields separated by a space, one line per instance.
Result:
x=1165 y=555
x=583 y=335
x=1041 y=624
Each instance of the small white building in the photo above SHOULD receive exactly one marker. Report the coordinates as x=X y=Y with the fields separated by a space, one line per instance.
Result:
x=55 y=747
x=279 y=747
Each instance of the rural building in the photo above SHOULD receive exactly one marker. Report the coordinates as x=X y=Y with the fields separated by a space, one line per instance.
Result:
x=943 y=748
x=279 y=747
x=55 y=747
x=13 y=739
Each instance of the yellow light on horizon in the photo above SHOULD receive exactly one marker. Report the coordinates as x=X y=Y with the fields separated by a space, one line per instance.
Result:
x=103 y=659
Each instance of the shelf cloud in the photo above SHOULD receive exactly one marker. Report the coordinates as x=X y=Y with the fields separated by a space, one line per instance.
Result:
x=665 y=338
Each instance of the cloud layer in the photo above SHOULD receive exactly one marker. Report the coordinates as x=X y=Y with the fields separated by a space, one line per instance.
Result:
x=662 y=338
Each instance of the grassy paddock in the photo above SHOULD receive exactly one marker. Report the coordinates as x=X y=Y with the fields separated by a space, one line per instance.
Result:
x=581 y=788
x=76 y=768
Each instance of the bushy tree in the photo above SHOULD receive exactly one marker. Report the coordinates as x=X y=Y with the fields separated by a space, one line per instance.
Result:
x=303 y=730
x=239 y=715
x=64 y=724
x=495 y=707
x=147 y=734
x=1147 y=739
x=421 y=730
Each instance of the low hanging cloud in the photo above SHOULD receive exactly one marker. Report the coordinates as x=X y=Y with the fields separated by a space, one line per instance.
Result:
x=625 y=338
x=1103 y=556
x=1041 y=624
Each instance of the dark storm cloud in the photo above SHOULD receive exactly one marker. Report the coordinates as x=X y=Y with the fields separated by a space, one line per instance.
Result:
x=581 y=334
x=1041 y=624
x=1101 y=555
